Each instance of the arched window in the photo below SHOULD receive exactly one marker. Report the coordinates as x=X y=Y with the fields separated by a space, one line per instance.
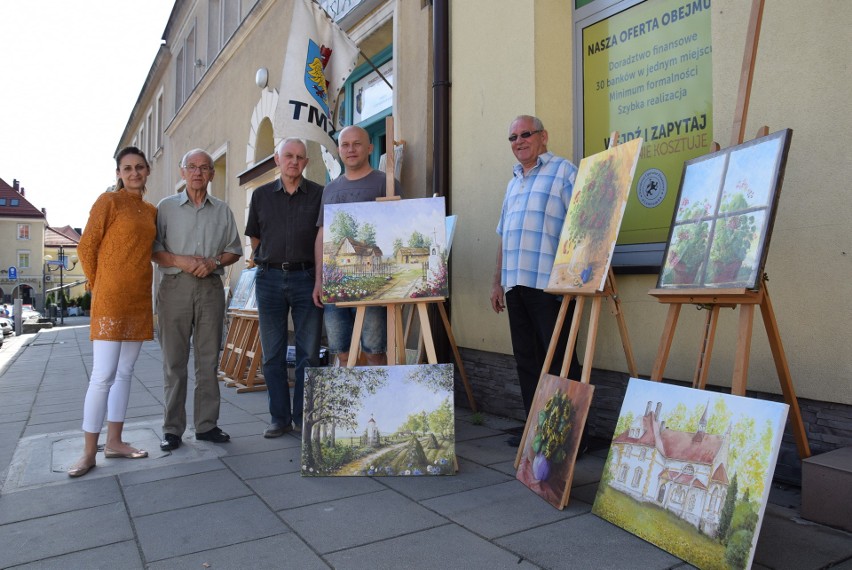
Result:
x=643 y=454
x=637 y=477
x=622 y=475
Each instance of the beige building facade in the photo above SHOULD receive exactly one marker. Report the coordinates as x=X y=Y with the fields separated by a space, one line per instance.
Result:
x=511 y=57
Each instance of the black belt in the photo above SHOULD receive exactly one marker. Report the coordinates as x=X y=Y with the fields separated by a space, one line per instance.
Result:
x=288 y=265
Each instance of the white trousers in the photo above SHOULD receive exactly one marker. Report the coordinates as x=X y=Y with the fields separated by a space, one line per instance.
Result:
x=109 y=386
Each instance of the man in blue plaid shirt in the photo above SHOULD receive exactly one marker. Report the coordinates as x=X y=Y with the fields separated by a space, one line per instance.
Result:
x=534 y=209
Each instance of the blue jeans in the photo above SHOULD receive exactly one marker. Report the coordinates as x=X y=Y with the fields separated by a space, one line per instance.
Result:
x=339 y=322
x=278 y=294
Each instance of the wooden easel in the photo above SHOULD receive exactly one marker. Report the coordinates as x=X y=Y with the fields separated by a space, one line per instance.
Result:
x=239 y=366
x=716 y=299
x=609 y=292
x=395 y=335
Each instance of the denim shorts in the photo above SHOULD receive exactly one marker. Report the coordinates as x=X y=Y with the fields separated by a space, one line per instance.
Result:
x=339 y=322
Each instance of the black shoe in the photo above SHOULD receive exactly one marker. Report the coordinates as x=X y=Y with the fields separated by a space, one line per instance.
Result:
x=170 y=441
x=276 y=430
x=514 y=441
x=215 y=435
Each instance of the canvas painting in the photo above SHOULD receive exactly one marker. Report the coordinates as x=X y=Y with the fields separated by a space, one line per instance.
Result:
x=552 y=437
x=594 y=218
x=726 y=207
x=690 y=471
x=243 y=290
x=384 y=251
x=379 y=421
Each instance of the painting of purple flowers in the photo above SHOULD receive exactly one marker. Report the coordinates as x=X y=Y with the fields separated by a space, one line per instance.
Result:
x=385 y=251
x=379 y=421
x=726 y=206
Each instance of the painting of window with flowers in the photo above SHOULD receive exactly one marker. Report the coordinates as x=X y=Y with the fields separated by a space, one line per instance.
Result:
x=726 y=206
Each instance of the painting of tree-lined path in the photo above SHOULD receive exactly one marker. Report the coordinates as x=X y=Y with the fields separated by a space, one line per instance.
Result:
x=379 y=421
x=385 y=251
x=690 y=470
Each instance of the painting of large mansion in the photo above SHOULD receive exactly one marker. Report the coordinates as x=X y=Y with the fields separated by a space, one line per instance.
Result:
x=690 y=470
x=683 y=472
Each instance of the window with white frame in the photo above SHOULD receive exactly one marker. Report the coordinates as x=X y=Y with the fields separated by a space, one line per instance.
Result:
x=185 y=69
x=160 y=121
x=179 y=64
x=149 y=128
x=23 y=231
x=23 y=258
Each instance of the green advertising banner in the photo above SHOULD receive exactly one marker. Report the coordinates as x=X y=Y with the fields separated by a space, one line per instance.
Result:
x=647 y=73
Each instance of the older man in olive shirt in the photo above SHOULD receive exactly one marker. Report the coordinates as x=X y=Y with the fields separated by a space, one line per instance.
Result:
x=282 y=228
x=196 y=238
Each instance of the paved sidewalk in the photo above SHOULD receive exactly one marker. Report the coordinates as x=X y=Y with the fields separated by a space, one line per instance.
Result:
x=244 y=505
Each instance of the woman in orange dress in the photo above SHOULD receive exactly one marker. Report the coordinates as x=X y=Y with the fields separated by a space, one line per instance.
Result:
x=115 y=252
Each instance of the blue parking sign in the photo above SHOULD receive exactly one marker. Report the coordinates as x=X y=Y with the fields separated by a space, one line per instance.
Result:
x=13 y=273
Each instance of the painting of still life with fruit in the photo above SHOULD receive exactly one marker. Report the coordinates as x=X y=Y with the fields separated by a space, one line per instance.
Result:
x=552 y=437
x=594 y=217
x=723 y=221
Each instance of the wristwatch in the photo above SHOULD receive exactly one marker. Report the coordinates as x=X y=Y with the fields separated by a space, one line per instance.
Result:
x=217 y=261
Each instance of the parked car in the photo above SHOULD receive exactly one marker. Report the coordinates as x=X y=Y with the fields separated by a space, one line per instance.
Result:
x=28 y=315
x=6 y=326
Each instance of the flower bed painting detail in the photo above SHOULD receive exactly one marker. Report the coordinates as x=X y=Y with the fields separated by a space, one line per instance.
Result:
x=726 y=206
x=385 y=251
x=594 y=217
x=689 y=471
x=379 y=421
x=552 y=437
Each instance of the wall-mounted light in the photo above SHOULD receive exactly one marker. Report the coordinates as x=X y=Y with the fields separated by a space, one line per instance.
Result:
x=261 y=78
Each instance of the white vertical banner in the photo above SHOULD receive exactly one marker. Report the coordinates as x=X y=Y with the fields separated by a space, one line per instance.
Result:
x=320 y=56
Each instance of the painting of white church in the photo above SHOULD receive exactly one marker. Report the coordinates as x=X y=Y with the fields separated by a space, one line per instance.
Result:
x=690 y=464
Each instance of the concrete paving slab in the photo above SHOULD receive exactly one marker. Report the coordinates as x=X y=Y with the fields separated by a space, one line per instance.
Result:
x=205 y=527
x=44 y=459
x=74 y=531
x=587 y=469
x=466 y=431
x=487 y=450
x=272 y=553
x=486 y=511
x=585 y=493
x=258 y=444
x=470 y=476
x=118 y=556
x=181 y=469
x=46 y=501
x=788 y=541
x=291 y=490
x=587 y=541
x=355 y=521
x=246 y=429
x=506 y=467
x=14 y=417
x=183 y=492
x=447 y=545
x=265 y=464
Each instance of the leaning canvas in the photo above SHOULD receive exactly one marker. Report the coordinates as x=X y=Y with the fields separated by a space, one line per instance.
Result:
x=552 y=437
x=378 y=252
x=243 y=290
x=594 y=217
x=379 y=421
x=727 y=201
x=690 y=471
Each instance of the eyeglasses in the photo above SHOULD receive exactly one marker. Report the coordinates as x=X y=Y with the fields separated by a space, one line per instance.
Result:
x=203 y=169
x=524 y=135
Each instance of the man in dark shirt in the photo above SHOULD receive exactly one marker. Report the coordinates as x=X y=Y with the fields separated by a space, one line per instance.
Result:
x=282 y=228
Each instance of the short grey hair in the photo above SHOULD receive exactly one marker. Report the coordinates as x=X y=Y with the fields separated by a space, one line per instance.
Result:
x=196 y=151
x=537 y=124
x=279 y=148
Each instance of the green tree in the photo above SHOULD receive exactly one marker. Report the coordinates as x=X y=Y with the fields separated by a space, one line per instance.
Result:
x=719 y=418
x=344 y=225
x=677 y=418
x=438 y=377
x=624 y=424
x=418 y=240
x=442 y=419
x=397 y=245
x=367 y=234
x=727 y=511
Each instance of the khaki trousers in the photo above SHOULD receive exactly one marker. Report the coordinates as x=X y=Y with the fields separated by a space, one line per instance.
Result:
x=193 y=309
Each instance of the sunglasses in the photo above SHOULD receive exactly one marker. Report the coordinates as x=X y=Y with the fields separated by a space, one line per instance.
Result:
x=523 y=135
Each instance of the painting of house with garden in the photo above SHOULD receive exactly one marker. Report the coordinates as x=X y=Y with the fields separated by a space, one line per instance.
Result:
x=379 y=421
x=726 y=207
x=594 y=218
x=377 y=252
x=690 y=471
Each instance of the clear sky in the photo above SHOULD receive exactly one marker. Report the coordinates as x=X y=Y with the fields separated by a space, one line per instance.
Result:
x=70 y=73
